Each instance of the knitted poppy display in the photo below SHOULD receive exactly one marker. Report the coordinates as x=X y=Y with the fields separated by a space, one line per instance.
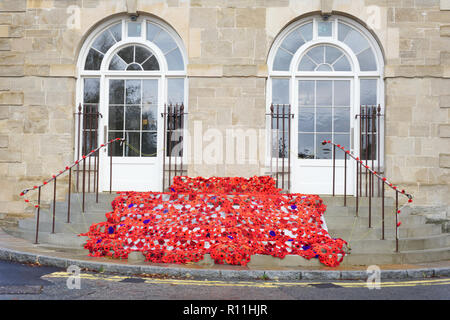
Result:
x=229 y=218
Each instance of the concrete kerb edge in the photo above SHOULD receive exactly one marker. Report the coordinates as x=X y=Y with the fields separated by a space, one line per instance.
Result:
x=27 y=257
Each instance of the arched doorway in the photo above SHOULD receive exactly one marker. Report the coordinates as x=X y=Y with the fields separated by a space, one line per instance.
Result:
x=128 y=71
x=325 y=69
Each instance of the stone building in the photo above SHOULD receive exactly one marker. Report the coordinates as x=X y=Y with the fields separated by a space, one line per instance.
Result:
x=226 y=61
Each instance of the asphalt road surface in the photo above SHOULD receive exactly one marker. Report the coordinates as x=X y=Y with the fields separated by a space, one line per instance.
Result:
x=27 y=282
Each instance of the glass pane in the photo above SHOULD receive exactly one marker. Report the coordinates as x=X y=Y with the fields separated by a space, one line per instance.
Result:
x=343 y=140
x=368 y=92
x=342 y=93
x=323 y=151
x=127 y=54
x=325 y=29
x=151 y=64
x=117 y=31
x=164 y=41
x=342 y=120
x=134 y=67
x=332 y=54
x=152 y=31
x=324 y=67
x=149 y=117
x=93 y=60
x=306 y=119
x=293 y=41
x=90 y=119
x=280 y=119
x=133 y=142
x=142 y=54
x=307 y=31
x=116 y=91
x=175 y=91
x=133 y=92
x=115 y=121
x=175 y=60
x=356 y=41
x=104 y=41
x=134 y=29
x=306 y=93
x=91 y=90
x=317 y=54
x=280 y=91
x=117 y=64
x=115 y=149
x=323 y=118
x=306 y=64
x=367 y=60
x=174 y=143
x=343 y=31
x=150 y=92
x=306 y=146
x=132 y=118
x=282 y=60
x=342 y=64
x=324 y=93
x=149 y=144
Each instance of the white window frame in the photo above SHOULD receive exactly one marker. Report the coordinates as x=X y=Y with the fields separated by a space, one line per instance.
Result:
x=293 y=75
x=103 y=74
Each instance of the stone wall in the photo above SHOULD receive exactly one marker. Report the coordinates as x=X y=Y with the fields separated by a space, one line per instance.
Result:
x=227 y=43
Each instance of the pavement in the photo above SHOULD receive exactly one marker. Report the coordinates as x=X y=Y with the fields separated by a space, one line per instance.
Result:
x=22 y=251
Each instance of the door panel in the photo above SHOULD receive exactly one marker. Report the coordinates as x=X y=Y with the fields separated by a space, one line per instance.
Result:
x=323 y=112
x=132 y=113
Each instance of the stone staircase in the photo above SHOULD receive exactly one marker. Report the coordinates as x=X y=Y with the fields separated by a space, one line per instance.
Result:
x=419 y=241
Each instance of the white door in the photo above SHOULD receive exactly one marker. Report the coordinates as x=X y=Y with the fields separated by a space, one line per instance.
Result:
x=132 y=112
x=322 y=111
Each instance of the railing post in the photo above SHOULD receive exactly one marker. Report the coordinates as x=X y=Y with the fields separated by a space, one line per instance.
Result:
x=98 y=175
x=169 y=125
x=345 y=178
x=84 y=182
x=289 y=148
x=357 y=188
x=271 y=139
x=334 y=167
x=54 y=205
x=79 y=144
x=283 y=146
x=182 y=138
x=382 y=211
x=278 y=141
x=379 y=146
x=38 y=215
x=110 y=169
x=370 y=199
x=164 y=147
x=396 y=221
x=68 y=199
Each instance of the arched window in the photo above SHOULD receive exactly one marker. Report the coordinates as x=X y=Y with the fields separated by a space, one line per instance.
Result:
x=128 y=71
x=326 y=71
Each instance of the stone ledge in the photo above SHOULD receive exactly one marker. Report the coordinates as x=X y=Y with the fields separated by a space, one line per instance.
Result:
x=130 y=269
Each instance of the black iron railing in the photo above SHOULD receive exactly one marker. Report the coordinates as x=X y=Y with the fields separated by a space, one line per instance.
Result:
x=371 y=174
x=280 y=142
x=93 y=154
x=173 y=117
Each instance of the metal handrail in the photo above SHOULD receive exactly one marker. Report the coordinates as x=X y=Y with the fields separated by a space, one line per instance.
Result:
x=373 y=173
x=95 y=153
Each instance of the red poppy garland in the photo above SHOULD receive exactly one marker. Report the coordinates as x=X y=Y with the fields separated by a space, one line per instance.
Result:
x=229 y=218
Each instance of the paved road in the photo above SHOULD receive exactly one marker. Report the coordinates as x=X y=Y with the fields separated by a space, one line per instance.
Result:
x=43 y=283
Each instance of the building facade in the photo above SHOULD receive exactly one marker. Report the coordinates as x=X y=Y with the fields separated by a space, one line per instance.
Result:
x=227 y=62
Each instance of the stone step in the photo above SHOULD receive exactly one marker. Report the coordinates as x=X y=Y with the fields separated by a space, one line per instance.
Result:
x=387 y=246
x=60 y=227
x=60 y=240
x=362 y=201
x=336 y=222
x=403 y=257
x=350 y=233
